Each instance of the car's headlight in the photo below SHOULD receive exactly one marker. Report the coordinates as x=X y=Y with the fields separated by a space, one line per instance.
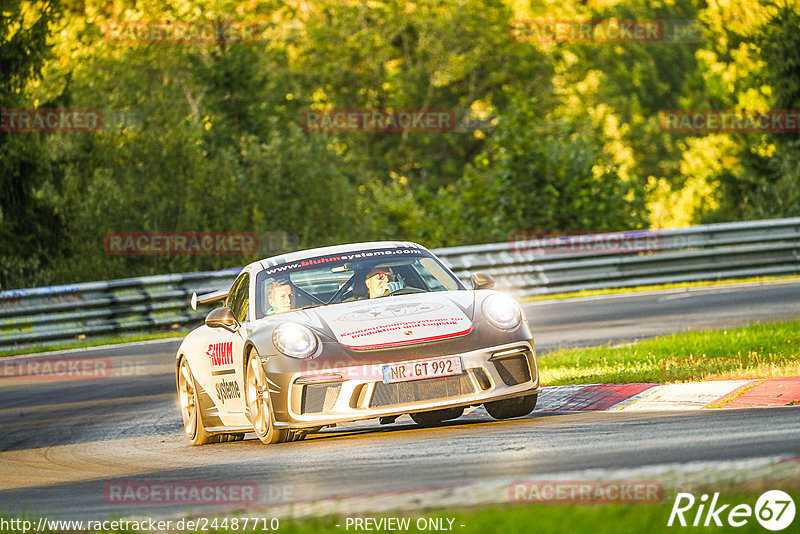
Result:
x=502 y=311
x=295 y=340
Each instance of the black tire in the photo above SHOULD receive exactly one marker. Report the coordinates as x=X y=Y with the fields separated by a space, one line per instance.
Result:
x=259 y=406
x=436 y=417
x=509 y=408
x=231 y=437
x=187 y=395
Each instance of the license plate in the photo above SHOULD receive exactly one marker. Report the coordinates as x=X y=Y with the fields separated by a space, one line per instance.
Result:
x=421 y=369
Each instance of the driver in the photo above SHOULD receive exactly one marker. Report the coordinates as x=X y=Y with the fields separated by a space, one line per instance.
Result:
x=281 y=297
x=378 y=282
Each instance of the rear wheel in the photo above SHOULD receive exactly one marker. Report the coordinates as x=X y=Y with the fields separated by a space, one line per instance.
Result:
x=436 y=416
x=190 y=407
x=508 y=408
x=259 y=406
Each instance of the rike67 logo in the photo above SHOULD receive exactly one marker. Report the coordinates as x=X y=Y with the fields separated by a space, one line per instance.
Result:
x=774 y=510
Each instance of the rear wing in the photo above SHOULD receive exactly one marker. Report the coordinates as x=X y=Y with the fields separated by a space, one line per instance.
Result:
x=222 y=294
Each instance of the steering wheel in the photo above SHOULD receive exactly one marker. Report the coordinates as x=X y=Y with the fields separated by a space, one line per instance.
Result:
x=407 y=290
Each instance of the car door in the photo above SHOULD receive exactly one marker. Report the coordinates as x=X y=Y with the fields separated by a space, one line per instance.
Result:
x=225 y=356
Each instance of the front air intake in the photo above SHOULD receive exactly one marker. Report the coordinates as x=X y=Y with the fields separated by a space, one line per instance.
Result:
x=421 y=390
x=512 y=367
x=319 y=398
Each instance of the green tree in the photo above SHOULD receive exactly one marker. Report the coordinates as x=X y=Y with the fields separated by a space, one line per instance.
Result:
x=543 y=173
x=765 y=183
x=218 y=148
x=30 y=230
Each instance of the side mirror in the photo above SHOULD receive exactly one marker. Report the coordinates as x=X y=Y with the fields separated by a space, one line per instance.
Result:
x=482 y=281
x=222 y=318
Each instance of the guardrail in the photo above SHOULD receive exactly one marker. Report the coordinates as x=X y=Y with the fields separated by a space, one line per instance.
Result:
x=526 y=265
x=539 y=266
x=58 y=314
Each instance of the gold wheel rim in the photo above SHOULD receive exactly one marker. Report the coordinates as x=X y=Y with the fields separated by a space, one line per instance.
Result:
x=258 y=397
x=187 y=398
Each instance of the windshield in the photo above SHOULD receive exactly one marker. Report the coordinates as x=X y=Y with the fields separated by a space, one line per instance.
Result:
x=349 y=277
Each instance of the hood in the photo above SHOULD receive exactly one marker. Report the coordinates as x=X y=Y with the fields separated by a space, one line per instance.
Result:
x=399 y=320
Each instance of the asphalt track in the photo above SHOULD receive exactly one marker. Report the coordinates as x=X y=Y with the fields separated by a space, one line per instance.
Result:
x=63 y=442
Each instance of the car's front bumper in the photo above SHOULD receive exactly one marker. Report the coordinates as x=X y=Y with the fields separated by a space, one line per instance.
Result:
x=309 y=399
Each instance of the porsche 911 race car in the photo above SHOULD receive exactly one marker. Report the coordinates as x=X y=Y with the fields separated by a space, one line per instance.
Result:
x=319 y=337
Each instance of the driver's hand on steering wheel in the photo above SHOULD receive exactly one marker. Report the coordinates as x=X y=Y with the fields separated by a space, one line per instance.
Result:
x=391 y=287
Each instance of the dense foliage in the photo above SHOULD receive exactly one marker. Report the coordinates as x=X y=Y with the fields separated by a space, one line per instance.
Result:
x=552 y=136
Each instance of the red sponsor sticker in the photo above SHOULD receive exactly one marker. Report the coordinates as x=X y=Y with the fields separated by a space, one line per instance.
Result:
x=586 y=491
x=378 y=120
x=51 y=368
x=180 y=493
x=50 y=120
x=405 y=325
x=220 y=353
x=180 y=243
x=423 y=330
x=730 y=121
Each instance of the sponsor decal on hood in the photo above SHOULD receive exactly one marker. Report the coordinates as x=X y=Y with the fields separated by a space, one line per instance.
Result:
x=401 y=320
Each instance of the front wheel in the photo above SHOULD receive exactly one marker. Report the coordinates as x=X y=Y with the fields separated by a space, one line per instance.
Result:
x=190 y=407
x=259 y=406
x=508 y=408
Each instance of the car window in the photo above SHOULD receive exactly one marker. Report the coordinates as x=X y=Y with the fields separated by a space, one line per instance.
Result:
x=342 y=278
x=239 y=297
x=434 y=275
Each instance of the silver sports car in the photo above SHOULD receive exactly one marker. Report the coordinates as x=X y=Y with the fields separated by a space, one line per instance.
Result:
x=318 y=337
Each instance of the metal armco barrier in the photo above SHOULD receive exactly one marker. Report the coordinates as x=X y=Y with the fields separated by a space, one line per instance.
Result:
x=525 y=265
x=58 y=314
x=540 y=266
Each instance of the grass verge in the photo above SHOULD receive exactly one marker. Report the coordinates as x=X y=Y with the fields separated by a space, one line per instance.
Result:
x=94 y=342
x=678 y=285
x=756 y=351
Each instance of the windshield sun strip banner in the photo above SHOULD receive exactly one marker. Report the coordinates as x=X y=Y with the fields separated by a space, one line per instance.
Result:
x=361 y=255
